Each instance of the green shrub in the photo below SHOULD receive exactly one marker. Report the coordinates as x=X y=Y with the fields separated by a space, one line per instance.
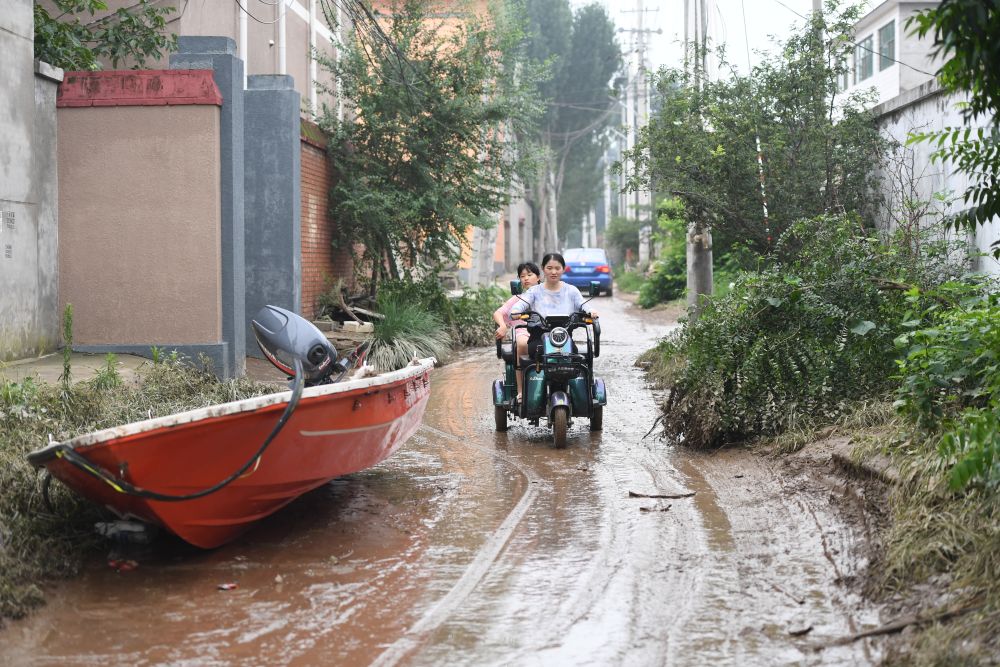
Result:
x=950 y=378
x=667 y=278
x=468 y=318
x=427 y=293
x=471 y=321
x=793 y=343
x=629 y=281
x=667 y=281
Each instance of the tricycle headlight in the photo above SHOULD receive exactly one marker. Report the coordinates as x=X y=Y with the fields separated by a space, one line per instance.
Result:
x=559 y=336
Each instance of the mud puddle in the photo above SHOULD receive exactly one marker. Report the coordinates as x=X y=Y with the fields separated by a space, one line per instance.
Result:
x=473 y=547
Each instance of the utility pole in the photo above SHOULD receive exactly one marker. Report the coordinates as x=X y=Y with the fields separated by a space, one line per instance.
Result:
x=700 y=277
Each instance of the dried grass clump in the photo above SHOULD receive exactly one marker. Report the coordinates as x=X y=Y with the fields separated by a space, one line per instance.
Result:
x=406 y=331
x=939 y=534
x=37 y=544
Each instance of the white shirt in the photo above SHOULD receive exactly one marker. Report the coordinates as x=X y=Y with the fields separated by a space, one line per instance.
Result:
x=566 y=301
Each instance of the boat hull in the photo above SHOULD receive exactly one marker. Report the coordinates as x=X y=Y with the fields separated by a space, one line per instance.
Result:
x=335 y=430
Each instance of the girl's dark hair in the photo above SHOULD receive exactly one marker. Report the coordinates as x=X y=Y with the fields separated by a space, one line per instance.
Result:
x=528 y=266
x=556 y=256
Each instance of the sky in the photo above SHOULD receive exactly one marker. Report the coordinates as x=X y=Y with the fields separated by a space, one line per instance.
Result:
x=763 y=18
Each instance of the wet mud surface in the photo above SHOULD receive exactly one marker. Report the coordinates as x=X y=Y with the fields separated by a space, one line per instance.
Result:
x=471 y=547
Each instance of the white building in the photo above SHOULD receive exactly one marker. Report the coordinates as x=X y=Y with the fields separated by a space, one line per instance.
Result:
x=899 y=68
x=887 y=57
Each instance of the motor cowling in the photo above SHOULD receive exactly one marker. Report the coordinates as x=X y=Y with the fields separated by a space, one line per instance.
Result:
x=284 y=337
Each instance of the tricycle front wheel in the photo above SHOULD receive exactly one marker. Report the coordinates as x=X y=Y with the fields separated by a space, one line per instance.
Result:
x=500 y=415
x=560 y=422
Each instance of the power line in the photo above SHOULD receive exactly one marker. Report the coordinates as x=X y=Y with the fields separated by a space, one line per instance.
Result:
x=248 y=13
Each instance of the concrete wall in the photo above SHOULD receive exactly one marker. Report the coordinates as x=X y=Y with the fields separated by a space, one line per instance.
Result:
x=149 y=272
x=186 y=196
x=218 y=54
x=29 y=316
x=140 y=189
x=260 y=50
x=927 y=109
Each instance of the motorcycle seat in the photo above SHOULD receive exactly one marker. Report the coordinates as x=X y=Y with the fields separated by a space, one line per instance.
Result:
x=524 y=361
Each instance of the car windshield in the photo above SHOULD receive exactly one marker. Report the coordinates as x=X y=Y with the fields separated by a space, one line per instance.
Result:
x=591 y=255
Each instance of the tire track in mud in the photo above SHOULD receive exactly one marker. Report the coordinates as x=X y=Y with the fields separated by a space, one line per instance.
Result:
x=618 y=573
x=474 y=572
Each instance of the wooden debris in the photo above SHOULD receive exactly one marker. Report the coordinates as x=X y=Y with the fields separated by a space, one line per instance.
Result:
x=902 y=623
x=800 y=631
x=636 y=494
x=655 y=509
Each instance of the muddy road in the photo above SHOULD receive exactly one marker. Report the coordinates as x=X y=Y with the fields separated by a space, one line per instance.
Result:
x=471 y=547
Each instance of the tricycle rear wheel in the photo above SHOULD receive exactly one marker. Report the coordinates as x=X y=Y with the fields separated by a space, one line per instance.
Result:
x=597 y=418
x=560 y=422
x=500 y=415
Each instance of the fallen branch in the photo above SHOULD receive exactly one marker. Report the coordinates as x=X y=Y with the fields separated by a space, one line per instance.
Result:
x=655 y=509
x=653 y=427
x=369 y=313
x=636 y=494
x=343 y=304
x=781 y=590
x=902 y=623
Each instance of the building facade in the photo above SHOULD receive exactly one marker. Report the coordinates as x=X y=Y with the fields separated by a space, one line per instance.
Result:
x=898 y=69
x=887 y=58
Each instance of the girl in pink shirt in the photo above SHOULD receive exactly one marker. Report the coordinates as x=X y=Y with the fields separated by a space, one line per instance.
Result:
x=530 y=275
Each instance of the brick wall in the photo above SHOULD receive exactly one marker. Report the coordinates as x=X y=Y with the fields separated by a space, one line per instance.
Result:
x=321 y=262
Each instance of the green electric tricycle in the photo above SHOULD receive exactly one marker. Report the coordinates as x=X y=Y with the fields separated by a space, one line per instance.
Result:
x=559 y=383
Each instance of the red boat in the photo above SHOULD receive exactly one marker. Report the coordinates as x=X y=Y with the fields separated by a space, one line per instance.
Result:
x=335 y=429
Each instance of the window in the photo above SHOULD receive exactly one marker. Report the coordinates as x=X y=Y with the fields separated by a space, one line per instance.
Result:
x=844 y=78
x=864 y=59
x=887 y=45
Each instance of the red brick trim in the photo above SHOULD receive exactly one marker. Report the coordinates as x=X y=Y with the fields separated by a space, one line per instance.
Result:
x=127 y=88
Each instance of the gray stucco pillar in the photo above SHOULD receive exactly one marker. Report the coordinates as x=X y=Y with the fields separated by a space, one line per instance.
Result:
x=272 y=174
x=29 y=305
x=46 y=183
x=219 y=54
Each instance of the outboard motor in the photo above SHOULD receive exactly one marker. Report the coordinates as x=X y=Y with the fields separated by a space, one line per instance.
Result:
x=285 y=337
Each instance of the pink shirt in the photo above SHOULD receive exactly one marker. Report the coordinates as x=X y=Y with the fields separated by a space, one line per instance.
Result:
x=504 y=311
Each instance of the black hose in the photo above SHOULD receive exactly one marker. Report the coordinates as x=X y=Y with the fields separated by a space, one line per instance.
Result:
x=73 y=457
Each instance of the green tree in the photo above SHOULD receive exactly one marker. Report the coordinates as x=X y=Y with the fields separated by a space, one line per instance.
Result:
x=583 y=60
x=65 y=38
x=700 y=146
x=668 y=278
x=622 y=235
x=967 y=36
x=580 y=138
x=429 y=148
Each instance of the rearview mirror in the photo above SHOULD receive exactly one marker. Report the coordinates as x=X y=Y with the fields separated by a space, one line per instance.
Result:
x=595 y=288
x=515 y=287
